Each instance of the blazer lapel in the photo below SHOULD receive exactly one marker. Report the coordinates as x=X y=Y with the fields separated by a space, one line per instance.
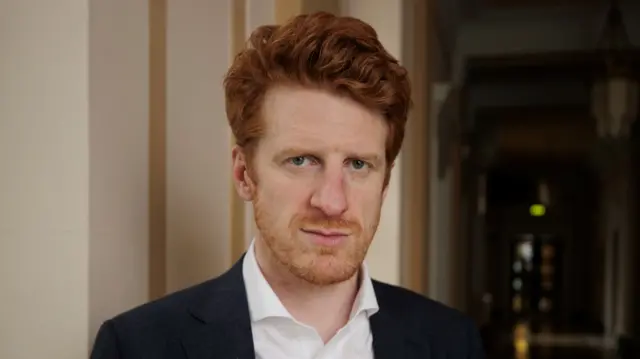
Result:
x=388 y=342
x=225 y=328
x=225 y=332
x=391 y=337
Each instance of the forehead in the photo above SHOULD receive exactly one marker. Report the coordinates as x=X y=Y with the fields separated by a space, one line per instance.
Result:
x=319 y=120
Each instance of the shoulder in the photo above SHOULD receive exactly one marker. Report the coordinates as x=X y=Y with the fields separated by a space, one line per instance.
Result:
x=151 y=328
x=183 y=307
x=428 y=319
x=412 y=306
x=154 y=329
x=163 y=315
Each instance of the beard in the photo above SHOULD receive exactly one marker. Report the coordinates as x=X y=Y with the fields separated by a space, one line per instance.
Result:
x=316 y=264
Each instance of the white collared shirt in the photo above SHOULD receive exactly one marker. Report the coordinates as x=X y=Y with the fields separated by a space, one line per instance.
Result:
x=277 y=335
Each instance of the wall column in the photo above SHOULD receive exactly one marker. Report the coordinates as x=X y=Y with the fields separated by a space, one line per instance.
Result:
x=44 y=187
x=198 y=139
x=440 y=188
x=74 y=184
x=119 y=158
x=617 y=223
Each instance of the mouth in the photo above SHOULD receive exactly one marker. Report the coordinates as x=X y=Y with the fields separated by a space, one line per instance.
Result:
x=326 y=237
x=325 y=232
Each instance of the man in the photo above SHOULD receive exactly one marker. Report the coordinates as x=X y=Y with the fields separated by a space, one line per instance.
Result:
x=318 y=109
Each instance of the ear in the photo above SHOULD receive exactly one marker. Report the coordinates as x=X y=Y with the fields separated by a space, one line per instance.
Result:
x=242 y=181
x=387 y=180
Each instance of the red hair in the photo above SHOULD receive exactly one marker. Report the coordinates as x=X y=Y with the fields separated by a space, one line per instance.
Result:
x=340 y=54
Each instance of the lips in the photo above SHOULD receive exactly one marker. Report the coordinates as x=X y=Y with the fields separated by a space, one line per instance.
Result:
x=325 y=232
x=326 y=238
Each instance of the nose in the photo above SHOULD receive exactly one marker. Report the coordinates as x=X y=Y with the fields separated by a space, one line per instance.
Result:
x=330 y=195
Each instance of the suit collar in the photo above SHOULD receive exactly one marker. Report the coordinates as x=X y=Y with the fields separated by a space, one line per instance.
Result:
x=224 y=312
x=224 y=292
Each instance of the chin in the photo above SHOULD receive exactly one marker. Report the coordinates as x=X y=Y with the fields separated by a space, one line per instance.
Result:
x=325 y=269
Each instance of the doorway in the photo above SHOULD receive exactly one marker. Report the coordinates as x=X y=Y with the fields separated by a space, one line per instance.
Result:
x=536 y=279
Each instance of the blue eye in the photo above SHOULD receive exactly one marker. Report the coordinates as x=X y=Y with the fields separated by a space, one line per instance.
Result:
x=358 y=164
x=297 y=161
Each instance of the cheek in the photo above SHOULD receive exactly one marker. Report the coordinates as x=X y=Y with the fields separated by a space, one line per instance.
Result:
x=282 y=199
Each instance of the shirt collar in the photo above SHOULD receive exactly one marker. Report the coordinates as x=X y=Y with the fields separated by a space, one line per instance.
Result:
x=264 y=303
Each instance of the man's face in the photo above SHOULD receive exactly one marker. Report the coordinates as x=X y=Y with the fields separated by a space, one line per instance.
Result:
x=316 y=181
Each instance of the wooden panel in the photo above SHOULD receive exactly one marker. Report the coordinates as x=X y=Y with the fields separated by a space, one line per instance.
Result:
x=157 y=148
x=415 y=177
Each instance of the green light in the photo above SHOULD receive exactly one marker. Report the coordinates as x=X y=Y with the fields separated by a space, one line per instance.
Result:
x=537 y=210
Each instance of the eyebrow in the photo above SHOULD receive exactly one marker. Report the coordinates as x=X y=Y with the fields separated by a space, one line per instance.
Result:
x=291 y=152
x=372 y=158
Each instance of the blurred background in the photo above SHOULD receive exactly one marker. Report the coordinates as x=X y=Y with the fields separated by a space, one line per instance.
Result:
x=514 y=199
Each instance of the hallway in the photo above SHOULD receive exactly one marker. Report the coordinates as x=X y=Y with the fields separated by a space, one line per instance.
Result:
x=522 y=344
x=551 y=347
x=553 y=353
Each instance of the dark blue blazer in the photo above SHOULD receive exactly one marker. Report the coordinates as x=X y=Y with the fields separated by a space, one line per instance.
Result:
x=211 y=321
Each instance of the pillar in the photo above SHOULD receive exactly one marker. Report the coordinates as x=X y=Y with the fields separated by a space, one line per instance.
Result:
x=73 y=190
x=617 y=227
x=198 y=142
x=118 y=158
x=44 y=189
x=441 y=212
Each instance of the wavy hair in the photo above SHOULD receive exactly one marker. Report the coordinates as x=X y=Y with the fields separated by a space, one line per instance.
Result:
x=339 y=54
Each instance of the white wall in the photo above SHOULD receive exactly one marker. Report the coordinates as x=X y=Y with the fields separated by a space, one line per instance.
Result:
x=383 y=258
x=44 y=183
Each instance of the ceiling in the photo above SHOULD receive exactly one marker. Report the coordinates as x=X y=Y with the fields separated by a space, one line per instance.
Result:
x=539 y=3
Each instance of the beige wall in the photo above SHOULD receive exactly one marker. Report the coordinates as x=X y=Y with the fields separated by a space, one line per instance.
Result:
x=44 y=183
x=118 y=157
x=198 y=142
x=74 y=184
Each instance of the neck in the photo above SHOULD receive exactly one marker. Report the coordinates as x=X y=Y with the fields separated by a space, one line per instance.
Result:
x=326 y=308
